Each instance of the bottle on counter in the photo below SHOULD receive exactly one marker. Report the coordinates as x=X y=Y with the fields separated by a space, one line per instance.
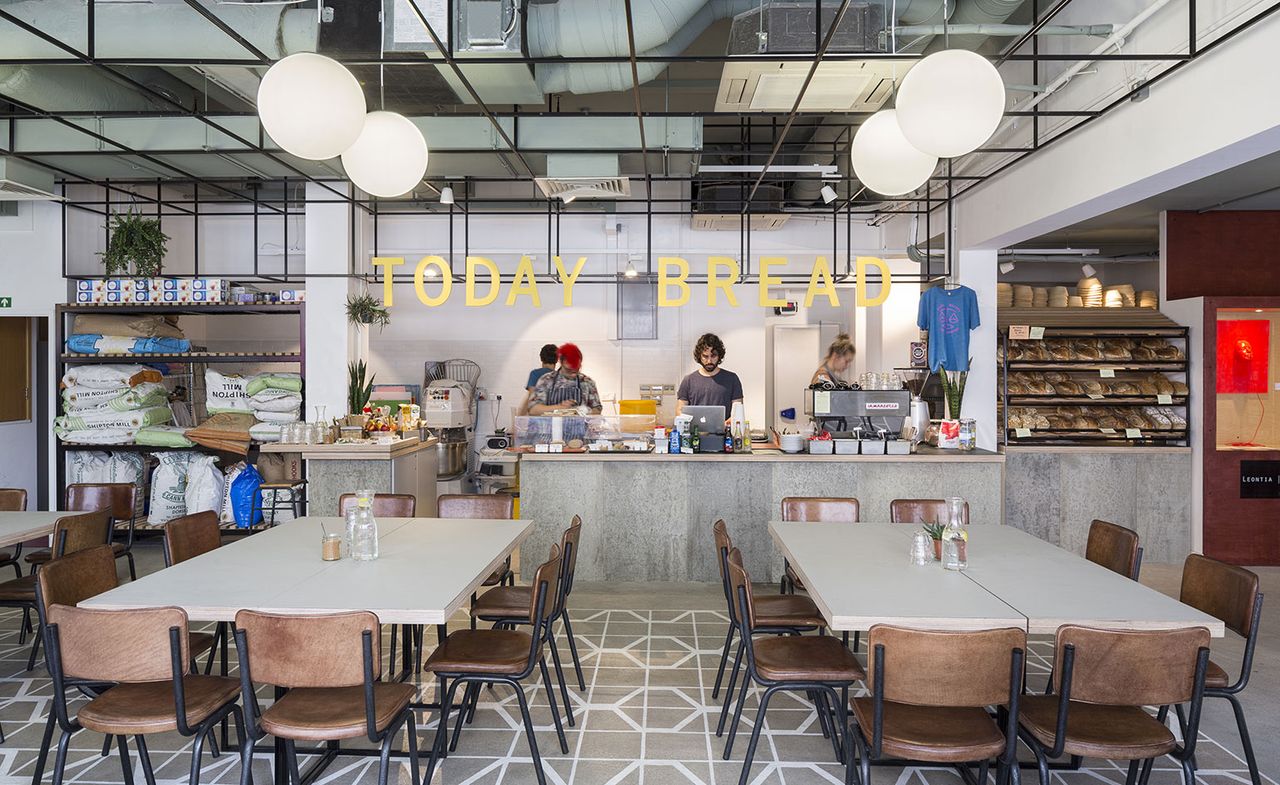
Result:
x=746 y=436
x=728 y=441
x=673 y=445
x=739 y=443
x=695 y=441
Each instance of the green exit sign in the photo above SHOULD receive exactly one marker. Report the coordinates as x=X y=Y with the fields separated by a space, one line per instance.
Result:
x=6 y=302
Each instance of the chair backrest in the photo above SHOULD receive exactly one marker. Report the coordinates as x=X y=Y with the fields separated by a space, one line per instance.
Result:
x=546 y=582
x=724 y=544
x=117 y=498
x=1221 y=590
x=923 y=511
x=740 y=581
x=385 y=505
x=569 y=558
x=13 y=500
x=476 y=505
x=1130 y=667
x=75 y=578
x=1113 y=547
x=820 y=509
x=191 y=535
x=324 y=650
x=913 y=659
x=118 y=646
x=72 y=533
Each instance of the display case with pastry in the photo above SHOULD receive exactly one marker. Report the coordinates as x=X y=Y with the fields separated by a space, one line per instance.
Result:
x=1088 y=385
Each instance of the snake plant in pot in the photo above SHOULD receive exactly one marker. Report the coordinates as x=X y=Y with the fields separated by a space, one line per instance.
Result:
x=358 y=391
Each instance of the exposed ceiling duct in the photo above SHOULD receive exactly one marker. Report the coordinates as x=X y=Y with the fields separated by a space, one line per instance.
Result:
x=22 y=182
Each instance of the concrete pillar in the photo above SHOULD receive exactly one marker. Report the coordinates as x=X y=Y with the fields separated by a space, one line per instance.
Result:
x=977 y=270
x=331 y=342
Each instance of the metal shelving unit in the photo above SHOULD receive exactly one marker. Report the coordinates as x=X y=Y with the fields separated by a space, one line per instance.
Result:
x=193 y=362
x=1113 y=407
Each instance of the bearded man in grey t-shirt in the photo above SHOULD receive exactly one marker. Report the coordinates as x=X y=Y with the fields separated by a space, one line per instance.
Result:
x=710 y=385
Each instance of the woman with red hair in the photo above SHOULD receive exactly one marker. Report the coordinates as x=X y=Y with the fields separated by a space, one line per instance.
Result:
x=567 y=387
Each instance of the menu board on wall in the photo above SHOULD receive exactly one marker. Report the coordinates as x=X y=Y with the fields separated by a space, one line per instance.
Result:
x=1244 y=350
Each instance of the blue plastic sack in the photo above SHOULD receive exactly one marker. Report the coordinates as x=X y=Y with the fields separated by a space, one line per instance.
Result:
x=244 y=491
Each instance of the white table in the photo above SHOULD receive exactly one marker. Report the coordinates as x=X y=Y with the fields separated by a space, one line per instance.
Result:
x=859 y=575
x=426 y=570
x=16 y=527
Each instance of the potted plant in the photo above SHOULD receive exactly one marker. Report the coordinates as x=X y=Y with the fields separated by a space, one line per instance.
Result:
x=935 y=532
x=136 y=241
x=358 y=391
x=364 y=309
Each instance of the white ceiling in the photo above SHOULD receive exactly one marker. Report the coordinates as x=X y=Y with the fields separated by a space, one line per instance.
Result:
x=1135 y=228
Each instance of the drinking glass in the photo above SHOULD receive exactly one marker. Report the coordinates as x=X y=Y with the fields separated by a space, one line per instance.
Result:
x=921 y=549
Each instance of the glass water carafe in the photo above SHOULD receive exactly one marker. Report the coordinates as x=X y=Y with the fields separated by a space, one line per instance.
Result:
x=955 y=539
x=362 y=529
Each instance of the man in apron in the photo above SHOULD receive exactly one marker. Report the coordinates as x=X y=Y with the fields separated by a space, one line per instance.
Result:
x=567 y=387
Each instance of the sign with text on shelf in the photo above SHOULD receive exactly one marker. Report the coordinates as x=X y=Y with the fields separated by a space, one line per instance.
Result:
x=433 y=281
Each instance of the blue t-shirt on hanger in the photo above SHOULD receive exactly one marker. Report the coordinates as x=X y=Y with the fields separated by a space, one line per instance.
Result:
x=948 y=315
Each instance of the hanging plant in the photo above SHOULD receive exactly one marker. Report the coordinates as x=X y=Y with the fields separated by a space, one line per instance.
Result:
x=364 y=309
x=136 y=241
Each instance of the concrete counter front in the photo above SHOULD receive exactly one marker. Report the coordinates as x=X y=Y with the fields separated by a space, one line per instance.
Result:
x=402 y=466
x=648 y=517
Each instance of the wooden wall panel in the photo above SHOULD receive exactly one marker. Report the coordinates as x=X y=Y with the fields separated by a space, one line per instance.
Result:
x=1224 y=253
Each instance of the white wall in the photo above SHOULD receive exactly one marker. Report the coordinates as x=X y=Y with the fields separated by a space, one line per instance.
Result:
x=31 y=272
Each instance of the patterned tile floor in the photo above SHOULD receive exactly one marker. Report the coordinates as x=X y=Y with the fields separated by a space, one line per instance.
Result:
x=646 y=718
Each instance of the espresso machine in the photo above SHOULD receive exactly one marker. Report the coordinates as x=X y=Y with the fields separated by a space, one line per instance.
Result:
x=868 y=414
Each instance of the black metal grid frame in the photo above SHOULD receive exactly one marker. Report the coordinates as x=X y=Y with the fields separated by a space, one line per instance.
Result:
x=939 y=194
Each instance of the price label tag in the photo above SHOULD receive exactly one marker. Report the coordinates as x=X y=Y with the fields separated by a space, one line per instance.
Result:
x=1164 y=398
x=1096 y=396
x=1107 y=430
x=1019 y=332
x=1107 y=373
x=1133 y=433
x=1037 y=333
x=1022 y=433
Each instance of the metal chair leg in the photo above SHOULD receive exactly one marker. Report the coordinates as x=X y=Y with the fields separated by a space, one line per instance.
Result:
x=473 y=689
x=728 y=694
x=43 y=756
x=143 y=754
x=573 y=651
x=384 y=760
x=555 y=658
x=415 y=770
x=291 y=754
x=551 y=702
x=724 y=659
x=1250 y=760
x=533 y=739
x=737 y=716
x=755 y=736
x=442 y=729
x=60 y=759
x=133 y=569
x=126 y=768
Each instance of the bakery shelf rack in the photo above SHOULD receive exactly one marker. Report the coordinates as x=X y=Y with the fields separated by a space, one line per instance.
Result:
x=189 y=369
x=1103 y=384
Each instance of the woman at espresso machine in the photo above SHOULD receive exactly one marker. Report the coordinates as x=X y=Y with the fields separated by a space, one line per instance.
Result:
x=831 y=373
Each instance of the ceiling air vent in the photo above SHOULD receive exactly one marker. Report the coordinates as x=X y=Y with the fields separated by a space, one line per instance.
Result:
x=718 y=207
x=584 y=187
x=22 y=182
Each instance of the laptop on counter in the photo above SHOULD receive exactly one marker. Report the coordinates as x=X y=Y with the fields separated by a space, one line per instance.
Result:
x=710 y=422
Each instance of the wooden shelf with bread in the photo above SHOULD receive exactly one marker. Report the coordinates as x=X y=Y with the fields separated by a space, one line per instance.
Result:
x=1064 y=382
x=139 y=398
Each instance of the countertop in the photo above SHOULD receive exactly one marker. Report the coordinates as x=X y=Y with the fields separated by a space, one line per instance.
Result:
x=354 y=452
x=925 y=455
x=1100 y=450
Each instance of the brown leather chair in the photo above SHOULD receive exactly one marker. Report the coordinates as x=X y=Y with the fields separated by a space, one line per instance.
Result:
x=500 y=656
x=1231 y=594
x=13 y=500
x=923 y=511
x=1115 y=548
x=385 y=505
x=118 y=499
x=813 y=509
x=914 y=714
x=69 y=581
x=145 y=654
x=187 y=537
x=71 y=534
x=508 y=607
x=783 y=614
x=327 y=690
x=816 y=664
x=482 y=505
x=1101 y=681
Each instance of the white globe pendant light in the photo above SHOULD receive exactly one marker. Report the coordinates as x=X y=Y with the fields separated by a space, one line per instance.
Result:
x=885 y=161
x=390 y=156
x=311 y=106
x=950 y=102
